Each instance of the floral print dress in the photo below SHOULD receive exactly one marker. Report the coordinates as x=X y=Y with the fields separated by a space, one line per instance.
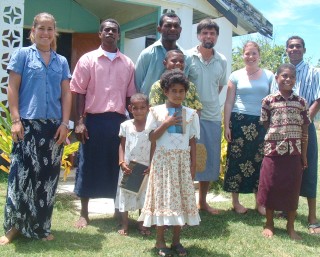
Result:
x=244 y=154
x=33 y=179
x=170 y=198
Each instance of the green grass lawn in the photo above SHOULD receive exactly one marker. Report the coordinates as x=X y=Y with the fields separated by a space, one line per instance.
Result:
x=227 y=234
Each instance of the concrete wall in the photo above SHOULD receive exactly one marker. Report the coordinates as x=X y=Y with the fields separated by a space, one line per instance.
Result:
x=11 y=29
x=133 y=47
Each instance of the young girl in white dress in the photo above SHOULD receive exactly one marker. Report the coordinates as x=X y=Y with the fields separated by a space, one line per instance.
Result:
x=170 y=198
x=134 y=146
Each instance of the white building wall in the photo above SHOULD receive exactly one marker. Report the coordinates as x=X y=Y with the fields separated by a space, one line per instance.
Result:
x=133 y=47
x=11 y=31
x=185 y=14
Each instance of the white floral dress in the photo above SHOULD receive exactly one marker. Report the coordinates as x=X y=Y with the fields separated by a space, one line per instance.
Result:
x=137 y=149
x=170 y=198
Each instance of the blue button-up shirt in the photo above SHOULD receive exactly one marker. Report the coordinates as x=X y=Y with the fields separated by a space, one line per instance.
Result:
x=40 y=88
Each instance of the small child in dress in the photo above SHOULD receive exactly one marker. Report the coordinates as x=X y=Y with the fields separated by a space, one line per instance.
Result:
x=170 y=198
x=134 y=146
x=286 y=118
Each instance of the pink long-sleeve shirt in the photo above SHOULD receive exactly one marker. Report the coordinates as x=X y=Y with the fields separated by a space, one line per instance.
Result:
x=106 y=83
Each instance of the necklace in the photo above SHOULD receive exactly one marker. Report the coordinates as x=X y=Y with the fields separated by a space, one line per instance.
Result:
x=249 y=75
x=43 y=51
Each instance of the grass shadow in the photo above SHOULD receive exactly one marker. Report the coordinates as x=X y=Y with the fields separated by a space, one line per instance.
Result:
x=109 y=224
x=64 y=242
x=66 y=202
x=192 y=251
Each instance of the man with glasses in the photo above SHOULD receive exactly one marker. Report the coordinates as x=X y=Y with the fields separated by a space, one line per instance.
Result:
x=307 y=86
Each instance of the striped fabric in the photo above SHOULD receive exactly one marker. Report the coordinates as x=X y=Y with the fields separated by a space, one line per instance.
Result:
x=307 y=83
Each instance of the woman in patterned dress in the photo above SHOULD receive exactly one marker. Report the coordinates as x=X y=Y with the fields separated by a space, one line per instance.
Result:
x=170 y=198
x=244 y=133
x=40 y=103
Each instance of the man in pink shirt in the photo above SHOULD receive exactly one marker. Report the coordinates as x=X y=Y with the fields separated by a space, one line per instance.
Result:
x=103 y=81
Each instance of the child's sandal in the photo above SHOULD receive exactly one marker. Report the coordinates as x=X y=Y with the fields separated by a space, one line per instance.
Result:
x=164 y=252
x=179 y=249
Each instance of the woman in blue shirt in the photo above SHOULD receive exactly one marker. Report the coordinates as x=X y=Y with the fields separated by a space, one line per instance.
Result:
x=40 y=102
x=246 y=89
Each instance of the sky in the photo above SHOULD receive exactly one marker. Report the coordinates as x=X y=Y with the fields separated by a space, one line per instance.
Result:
x=292 y=17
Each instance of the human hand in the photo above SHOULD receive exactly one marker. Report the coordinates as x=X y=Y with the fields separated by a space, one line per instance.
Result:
x=193 y=172
x=227 y=134
x=81 y=133
x=173 y=120
x=146 y=171
x=304 y=162
x=61 y=134
x=125 y=168
x=17 y=131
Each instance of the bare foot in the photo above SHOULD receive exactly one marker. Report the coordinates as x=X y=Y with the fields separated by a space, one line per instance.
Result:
x=261 y=210
x=50 y=237
x=293 y=235
x=4 y=240
x=144 y=231
x=267 y=232
x=240 y=209
x=82 y=222
x=314 y=228
x=123 y=232
x=9 y=236
x=206 y=207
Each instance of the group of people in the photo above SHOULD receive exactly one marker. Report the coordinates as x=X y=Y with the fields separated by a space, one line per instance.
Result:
x=107 y=84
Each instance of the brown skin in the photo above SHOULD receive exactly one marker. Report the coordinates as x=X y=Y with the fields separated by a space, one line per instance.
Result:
x=109 y=36
x=170 y=32
x=286 y=80
x=139 y=109
x=175 y=94
x=295 y=52
x=174 y=61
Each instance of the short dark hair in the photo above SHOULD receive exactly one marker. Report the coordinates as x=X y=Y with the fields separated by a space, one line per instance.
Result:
x=178 y=51
x=168 y=14
x=175 y=76
x=295 y=37
x=109 y=20
x=207 y=24
x=286 y=66
x=139 y=96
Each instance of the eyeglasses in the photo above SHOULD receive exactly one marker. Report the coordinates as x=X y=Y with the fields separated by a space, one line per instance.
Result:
x=298 y=46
